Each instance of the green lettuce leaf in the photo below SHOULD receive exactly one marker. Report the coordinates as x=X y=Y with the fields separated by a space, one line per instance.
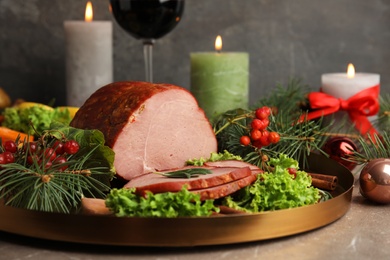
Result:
x=213 y=158
x=125 y=203
x=276 y=190
x=34 y=119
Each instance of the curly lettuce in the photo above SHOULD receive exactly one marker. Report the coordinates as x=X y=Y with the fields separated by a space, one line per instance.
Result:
x=213 y=158
x=33 y=120
x=276 y=190
x=125 y=203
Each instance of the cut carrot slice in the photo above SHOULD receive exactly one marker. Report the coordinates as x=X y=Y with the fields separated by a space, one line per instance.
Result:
x=9 y=134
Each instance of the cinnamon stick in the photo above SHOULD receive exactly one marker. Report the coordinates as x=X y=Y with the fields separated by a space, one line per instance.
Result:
x=323 y=181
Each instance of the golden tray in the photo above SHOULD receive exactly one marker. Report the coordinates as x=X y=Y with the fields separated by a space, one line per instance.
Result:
x=186 y=231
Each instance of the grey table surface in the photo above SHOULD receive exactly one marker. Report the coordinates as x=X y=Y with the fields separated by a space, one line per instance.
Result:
x=362 y=233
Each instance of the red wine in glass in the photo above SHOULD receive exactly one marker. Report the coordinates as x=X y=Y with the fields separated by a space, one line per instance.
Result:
x=147 y=20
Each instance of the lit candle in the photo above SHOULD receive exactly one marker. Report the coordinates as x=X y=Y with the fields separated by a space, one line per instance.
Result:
x=219 y=80
x=345 y=85
x=89 y=59
x=351 y=85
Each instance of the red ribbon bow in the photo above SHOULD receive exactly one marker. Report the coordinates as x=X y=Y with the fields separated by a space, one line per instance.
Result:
x=359 y=107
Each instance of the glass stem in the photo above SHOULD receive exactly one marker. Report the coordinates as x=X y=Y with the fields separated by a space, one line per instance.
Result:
x=148 y=57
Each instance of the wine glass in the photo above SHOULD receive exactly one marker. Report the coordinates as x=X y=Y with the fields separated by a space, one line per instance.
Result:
x=147 y=20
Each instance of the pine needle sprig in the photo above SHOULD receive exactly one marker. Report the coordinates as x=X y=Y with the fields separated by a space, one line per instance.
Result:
x=290 y=97
x=382 y=122
x=371 y=148
x=37 y=181
x=297 y=139
x=51 y=191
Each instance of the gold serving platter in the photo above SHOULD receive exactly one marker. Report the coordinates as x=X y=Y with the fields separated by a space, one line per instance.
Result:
x=183 y=232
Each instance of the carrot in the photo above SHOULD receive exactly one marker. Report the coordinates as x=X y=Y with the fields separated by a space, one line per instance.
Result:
x=9 y=134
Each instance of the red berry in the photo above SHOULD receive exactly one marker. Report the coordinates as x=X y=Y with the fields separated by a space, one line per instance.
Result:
x=61 y=160
x=245 y=140
x=32 y=158
x=255 y=134
x=259 y=124
x=257 y=144
x=9 y=157
x=264 y=141
x=2 y=159
x=263 y=112
x=50 y=154
x=71 y=147
x=58 y=146
x=265 y=133
x=256 y=123
x=274 y=137
x=10 y=146
x=266 y=123
x=32 y=147
x=48 y=164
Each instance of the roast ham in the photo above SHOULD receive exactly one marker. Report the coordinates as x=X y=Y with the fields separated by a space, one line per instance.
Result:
x=150 y=127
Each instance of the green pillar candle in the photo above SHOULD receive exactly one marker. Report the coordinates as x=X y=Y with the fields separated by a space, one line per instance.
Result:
x=219 y=81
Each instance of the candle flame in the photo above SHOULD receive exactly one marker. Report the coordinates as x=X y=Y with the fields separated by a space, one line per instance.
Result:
x=88 y=12
x=350 y=71
x=218 y=43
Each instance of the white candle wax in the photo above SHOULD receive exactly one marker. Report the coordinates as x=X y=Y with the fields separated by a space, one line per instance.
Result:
x=340 y=86
x=89 y=59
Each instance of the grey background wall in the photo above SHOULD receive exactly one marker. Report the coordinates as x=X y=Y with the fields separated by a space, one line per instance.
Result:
x=284 y=38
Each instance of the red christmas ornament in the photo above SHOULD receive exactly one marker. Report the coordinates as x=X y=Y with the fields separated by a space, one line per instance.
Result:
x=340 y=148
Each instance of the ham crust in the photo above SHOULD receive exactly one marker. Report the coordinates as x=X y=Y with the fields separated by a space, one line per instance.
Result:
x=150 y=127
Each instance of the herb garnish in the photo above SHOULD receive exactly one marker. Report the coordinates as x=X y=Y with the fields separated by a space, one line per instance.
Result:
x=186 y=173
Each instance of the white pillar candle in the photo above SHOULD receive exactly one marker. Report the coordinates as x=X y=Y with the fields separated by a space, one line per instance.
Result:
x=89 y=58
x=345 y=85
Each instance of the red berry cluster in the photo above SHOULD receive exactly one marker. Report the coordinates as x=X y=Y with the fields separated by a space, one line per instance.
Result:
x=8 y=154
x=259 y=135
x=35 y=152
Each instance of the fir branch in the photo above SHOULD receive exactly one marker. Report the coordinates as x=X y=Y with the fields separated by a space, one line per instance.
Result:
x=371 y=148
x=291 y=97
x=382 y=122
x=51 y=187
x=297 y=139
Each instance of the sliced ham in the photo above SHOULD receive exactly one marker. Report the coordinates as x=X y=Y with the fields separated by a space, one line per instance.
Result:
x=231 y=163
x=226 y=189
x=149 y=126
x=157 y=183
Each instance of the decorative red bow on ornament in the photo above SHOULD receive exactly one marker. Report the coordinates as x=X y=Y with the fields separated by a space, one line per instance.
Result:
x=359 y=107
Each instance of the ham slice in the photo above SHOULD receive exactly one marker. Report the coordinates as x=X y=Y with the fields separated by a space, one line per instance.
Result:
x=232 y=163
x=226 y=189
x=150 y=127
x=157 y=183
